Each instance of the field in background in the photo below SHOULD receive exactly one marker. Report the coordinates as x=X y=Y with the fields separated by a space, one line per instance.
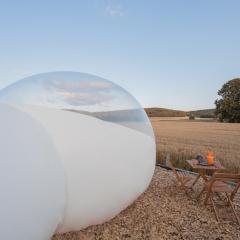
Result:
x=185 y=139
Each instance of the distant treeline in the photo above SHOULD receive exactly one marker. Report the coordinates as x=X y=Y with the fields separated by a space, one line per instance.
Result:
x=206 y=113
x=164 y=112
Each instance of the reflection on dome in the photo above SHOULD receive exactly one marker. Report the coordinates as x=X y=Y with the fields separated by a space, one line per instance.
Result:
x=80 y=93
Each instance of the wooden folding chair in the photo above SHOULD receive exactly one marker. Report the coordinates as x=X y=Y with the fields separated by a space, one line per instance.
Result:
x=222 y=183
x=181 y=176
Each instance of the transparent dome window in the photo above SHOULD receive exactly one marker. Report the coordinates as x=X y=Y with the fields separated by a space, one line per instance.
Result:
x=80 y=93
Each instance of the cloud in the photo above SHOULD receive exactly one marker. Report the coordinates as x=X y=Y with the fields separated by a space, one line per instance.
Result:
x=80 y=86
x=86 y=99
x=80 y=93
x=115 y=11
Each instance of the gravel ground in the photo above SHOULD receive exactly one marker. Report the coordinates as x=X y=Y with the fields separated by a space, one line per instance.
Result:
x=163 y=212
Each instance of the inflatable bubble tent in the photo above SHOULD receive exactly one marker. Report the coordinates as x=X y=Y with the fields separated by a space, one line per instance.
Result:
x=76 y=149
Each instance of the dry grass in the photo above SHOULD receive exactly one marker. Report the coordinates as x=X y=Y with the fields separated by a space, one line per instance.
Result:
x=185 y=139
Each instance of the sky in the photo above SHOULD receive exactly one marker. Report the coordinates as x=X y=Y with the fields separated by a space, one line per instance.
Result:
x=173 y=54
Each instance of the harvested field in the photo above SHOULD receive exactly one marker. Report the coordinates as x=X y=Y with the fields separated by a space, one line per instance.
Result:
x=186 y=139
x=162 y=212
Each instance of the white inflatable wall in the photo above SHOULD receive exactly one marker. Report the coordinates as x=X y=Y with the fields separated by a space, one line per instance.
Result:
x=32 y=179
x=104 y=172
x=64 y=168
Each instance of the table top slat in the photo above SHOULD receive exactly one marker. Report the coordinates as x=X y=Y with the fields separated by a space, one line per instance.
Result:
x=195 y=165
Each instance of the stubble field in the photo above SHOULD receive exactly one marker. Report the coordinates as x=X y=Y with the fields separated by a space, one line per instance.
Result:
x=185 y=139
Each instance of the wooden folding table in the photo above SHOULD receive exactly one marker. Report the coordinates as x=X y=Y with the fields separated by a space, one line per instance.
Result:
x=203 y=169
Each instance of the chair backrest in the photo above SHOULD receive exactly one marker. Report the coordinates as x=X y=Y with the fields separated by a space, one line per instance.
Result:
x=169 y=164
x=227 y=177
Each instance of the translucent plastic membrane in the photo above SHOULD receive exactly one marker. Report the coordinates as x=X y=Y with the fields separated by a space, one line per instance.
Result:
x=76 y=150
x=80 y=93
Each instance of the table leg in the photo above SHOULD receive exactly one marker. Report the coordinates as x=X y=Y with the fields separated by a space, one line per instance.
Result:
x=202 y=172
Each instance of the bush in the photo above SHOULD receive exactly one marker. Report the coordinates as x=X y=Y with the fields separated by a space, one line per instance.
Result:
x=191 y=117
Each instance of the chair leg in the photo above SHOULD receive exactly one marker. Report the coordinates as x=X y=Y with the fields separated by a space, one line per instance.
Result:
x=231 y=205
x=183 y=186
x=195 y=181
x=187 y=191
x=207 y=197
x=199 y=195
x=214 y=208
x=219 y=196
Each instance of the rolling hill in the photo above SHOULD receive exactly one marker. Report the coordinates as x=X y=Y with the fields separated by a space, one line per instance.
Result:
x=164 y=112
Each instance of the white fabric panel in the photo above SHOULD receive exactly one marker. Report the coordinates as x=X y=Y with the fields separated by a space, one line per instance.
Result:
x=107 y=165
x=32 y=180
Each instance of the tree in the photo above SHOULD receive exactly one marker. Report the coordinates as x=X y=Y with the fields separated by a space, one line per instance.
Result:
x=228 y=105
